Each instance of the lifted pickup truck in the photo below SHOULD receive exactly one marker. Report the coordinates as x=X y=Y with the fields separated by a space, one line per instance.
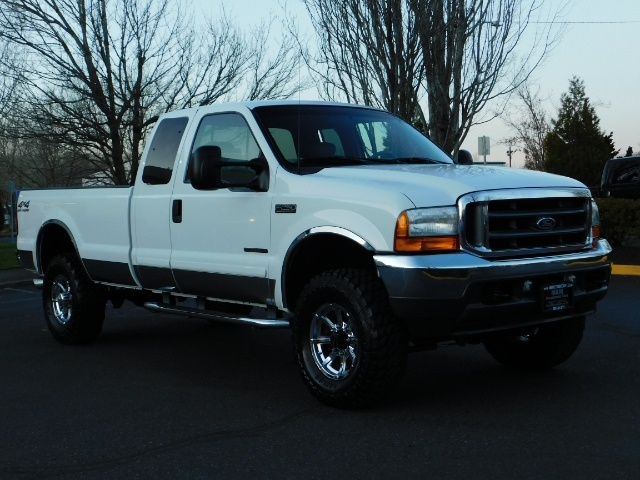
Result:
x=341 y=222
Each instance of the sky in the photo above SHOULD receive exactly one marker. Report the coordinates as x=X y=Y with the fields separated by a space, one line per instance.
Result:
x=600 y=45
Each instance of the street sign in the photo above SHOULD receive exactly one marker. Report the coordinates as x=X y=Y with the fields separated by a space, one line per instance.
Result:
x=484 y=146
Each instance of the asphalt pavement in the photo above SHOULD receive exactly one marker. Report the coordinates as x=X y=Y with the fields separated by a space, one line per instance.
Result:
x=159 y=396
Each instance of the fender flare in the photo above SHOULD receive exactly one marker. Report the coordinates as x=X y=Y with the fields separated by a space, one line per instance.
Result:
x=39 y=241
x=331 y=230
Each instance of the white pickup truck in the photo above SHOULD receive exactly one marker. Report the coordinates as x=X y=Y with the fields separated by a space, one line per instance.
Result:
x=341 y=222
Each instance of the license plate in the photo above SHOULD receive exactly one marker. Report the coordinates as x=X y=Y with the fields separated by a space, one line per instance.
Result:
x=557 y=297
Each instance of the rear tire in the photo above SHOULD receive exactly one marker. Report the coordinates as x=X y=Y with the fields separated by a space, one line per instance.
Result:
x=73 y=305
x=537 y=348
x=350 y=348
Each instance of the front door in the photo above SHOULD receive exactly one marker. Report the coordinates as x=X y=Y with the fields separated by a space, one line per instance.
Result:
x=220 y=238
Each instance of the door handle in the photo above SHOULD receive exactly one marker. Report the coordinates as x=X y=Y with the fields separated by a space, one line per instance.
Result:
x=176 y=211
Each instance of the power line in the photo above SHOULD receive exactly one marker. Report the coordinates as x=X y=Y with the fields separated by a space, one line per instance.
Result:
x=596 y=22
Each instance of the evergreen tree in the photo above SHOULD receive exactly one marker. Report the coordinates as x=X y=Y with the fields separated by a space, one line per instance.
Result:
x=576 y=146
x=629 y=152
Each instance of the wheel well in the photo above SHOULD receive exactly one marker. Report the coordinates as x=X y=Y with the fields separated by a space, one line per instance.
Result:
x=317 y=254
x=53 y=240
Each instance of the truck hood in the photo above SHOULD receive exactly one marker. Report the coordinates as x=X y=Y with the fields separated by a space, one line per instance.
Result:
x=427 y=185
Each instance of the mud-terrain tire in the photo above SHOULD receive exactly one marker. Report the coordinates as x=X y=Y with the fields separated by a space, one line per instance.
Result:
x=350 y=348
x=542 y=347
x=73 y=305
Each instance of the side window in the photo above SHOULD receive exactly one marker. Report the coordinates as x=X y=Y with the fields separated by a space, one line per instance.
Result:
x=627 y=173
x=284 y=141
x=162 y=151
x=230 y=132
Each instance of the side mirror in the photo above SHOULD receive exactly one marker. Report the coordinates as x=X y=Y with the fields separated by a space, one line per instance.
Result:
x=208 y=171
x=202 y=167
x=464 y=158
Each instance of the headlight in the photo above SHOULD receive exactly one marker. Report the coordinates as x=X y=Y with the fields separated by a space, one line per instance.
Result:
x=595 y=222
x=427 y=229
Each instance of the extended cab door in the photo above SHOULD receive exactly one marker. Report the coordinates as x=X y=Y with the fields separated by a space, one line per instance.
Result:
x=151 y=203
x=220 y=238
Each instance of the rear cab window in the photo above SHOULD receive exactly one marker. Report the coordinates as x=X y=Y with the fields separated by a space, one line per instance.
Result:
x=162 y=152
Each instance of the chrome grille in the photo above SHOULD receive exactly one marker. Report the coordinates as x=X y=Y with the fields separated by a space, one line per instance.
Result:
x=500 y=224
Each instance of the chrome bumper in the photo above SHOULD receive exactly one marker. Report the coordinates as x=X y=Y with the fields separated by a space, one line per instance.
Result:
x=463 y=293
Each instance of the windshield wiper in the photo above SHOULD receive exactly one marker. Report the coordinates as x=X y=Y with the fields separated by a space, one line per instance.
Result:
x=415 y=160
x=344 y=160
x=335 y=161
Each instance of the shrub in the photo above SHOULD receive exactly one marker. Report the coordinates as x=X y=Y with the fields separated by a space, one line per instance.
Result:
x=619 y=219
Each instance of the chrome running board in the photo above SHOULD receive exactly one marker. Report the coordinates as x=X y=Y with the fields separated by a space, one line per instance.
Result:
x=221 y=317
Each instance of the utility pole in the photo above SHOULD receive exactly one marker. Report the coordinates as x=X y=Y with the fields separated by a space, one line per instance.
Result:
x=510 y=152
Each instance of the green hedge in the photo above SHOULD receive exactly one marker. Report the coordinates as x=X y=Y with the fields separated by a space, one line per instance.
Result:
x=619 y=219
x=8 y=257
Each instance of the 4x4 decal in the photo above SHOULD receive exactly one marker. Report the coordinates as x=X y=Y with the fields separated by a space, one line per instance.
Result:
x=24 y=206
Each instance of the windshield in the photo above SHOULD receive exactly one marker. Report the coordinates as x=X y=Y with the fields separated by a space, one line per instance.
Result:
x=307 y=138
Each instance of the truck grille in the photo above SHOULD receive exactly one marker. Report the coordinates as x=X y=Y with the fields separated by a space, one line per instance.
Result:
x=500 y=224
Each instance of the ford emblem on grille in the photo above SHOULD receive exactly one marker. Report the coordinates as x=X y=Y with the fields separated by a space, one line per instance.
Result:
x=545 y=223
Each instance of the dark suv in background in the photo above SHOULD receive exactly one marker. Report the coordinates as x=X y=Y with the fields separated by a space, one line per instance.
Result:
x=621 y=178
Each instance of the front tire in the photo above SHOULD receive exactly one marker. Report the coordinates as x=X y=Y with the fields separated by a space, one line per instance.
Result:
x=537 y=348
x=350 y=348
x=73 y=305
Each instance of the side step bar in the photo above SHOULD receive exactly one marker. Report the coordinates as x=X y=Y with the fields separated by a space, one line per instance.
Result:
x=211 y=315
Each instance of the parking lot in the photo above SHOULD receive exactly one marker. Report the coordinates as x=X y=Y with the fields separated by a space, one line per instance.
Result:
x=166 y=397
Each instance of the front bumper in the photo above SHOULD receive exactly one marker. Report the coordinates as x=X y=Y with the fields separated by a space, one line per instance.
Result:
x=457 y=294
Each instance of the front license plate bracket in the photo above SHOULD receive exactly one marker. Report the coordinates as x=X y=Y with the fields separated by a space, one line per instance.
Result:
x=557 y=297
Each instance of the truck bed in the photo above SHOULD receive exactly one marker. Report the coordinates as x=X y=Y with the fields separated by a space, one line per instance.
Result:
x=96 y=217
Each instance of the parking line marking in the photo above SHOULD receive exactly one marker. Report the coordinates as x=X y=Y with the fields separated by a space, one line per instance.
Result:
x=625 y=269
x=30 y=292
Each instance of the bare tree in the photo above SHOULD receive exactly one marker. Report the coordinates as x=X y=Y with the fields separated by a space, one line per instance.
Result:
x=8 y=86
x=272 y=73
x=472 y=56
x=368 y=52
x=461 y=53
x=530 y=127
x=102 y=71
x=39 y=163
x=8 y=80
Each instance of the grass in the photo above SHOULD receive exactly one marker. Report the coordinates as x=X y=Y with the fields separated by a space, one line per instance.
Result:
x=8 y=256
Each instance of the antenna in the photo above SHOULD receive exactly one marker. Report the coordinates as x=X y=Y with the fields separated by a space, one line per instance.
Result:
x=299 y=122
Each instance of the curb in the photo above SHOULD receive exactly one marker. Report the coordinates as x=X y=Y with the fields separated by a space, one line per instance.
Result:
x=625 y=269
x=21 y=283
x=18 y=282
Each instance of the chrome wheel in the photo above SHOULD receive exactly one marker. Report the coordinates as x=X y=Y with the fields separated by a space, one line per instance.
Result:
x=334 y=343
x=61 y=298
x=73 y=305
x=349 y=346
